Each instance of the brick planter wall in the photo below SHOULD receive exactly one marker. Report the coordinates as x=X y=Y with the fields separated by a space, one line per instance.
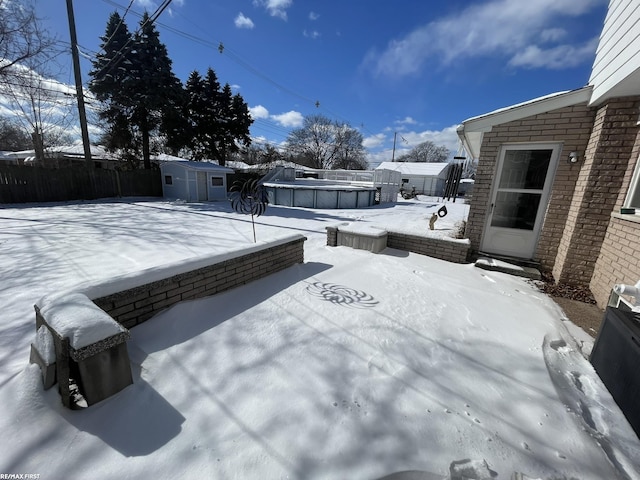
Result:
x=135 y=305
x=450 y=250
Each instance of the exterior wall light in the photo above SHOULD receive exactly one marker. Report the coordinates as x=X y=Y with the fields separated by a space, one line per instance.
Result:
x=573 y=157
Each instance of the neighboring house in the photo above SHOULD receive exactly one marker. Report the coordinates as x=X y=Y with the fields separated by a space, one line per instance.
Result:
x=68 y=155
x=194 y=181
x=427 y=178
x=465 y=189
x=6 y=158
x=555 y=174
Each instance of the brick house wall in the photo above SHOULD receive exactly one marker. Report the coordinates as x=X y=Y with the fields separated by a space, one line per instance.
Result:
x=570 y=126
x=619 y=258
x=597 y=189
x=583 y=240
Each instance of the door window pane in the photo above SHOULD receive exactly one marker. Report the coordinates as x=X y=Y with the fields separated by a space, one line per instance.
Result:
x=515 y=210
x=525 y=169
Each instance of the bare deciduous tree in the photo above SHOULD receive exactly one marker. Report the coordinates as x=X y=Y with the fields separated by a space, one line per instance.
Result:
x=42 y=106
x=12 y=136
x=426 y=152
x=21 y=34
x=322 y=143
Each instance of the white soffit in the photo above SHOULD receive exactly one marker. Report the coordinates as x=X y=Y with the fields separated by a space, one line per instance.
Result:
x=471 y=130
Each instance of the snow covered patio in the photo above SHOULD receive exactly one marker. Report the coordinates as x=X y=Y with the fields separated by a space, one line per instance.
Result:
x=351 y=365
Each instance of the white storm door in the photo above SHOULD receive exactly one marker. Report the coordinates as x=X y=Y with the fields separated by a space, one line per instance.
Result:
x=519 y=199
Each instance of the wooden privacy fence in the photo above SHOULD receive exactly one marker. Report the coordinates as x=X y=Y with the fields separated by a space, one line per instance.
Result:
x=20 y=184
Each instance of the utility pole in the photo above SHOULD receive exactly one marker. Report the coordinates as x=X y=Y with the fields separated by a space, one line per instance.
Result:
x=78 y=77
x=393 y=155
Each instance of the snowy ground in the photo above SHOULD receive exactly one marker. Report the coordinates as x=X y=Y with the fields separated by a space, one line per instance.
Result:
x=349 y=366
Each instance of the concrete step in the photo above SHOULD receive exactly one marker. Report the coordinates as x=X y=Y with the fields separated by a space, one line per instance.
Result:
x=495 y=265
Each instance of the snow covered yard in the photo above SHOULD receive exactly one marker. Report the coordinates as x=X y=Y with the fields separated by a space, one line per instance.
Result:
x=351 y=365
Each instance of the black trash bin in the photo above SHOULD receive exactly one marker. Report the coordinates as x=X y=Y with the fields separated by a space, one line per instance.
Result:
x=616 y=358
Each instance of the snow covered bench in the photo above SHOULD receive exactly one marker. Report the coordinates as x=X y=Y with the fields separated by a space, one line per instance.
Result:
x=85 y=344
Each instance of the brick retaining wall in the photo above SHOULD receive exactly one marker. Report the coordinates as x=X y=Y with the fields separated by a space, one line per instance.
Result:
x=450 y=250
x=135 y=305
x=447 y=249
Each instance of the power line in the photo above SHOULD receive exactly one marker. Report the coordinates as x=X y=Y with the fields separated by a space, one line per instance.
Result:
x=235 y=57
x=117 y=58
x=121 y=22
x=223 y=49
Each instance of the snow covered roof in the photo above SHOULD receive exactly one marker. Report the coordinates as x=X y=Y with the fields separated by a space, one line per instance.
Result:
x=415 y=168
x=97 y=151
x=238 y=165
x=208 y=166
x=472 y=129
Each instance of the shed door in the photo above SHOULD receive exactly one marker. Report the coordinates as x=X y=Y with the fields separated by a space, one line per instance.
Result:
x=217 y=187
x=519 y=200
x=202 y=187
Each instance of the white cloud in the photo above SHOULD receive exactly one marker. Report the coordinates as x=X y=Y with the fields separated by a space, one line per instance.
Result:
x=446 y=137
x=380 y=146
x=313 y=34
x=258 y=112
x=562 y=56
x=152 y=5
x=553 y=34
x=147 y=4
x=496 y=27
x=276 y=8
x=406 y=121
x=243 y=22
x=374 y=141
x=291 y=119
x=313 y=16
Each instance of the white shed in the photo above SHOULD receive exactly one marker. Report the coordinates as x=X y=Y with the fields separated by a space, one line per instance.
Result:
x=194 y=181
x=427 y=178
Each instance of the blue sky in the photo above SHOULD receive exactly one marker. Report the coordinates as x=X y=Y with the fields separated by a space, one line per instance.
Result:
x=413 y=67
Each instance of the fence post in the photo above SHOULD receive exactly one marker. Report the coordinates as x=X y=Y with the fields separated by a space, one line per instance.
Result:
x=119 y=188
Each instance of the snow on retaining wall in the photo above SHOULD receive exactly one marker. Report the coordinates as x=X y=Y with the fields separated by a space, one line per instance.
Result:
x=133 y=299
x=74 y=316
x=449 y=249
x=136 y=305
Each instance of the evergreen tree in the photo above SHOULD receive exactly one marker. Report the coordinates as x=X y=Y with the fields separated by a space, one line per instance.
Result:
x=110 y=82
x=218 y=119
x=240 y=123
x=196 y=102
x=155 y=90
x=134 y=80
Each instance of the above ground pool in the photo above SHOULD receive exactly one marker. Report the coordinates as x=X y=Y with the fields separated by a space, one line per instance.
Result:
x=321 y=194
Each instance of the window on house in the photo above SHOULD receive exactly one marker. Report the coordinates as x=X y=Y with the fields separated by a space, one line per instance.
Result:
x=633 y=195
x=217 y=182
x=168 y=180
